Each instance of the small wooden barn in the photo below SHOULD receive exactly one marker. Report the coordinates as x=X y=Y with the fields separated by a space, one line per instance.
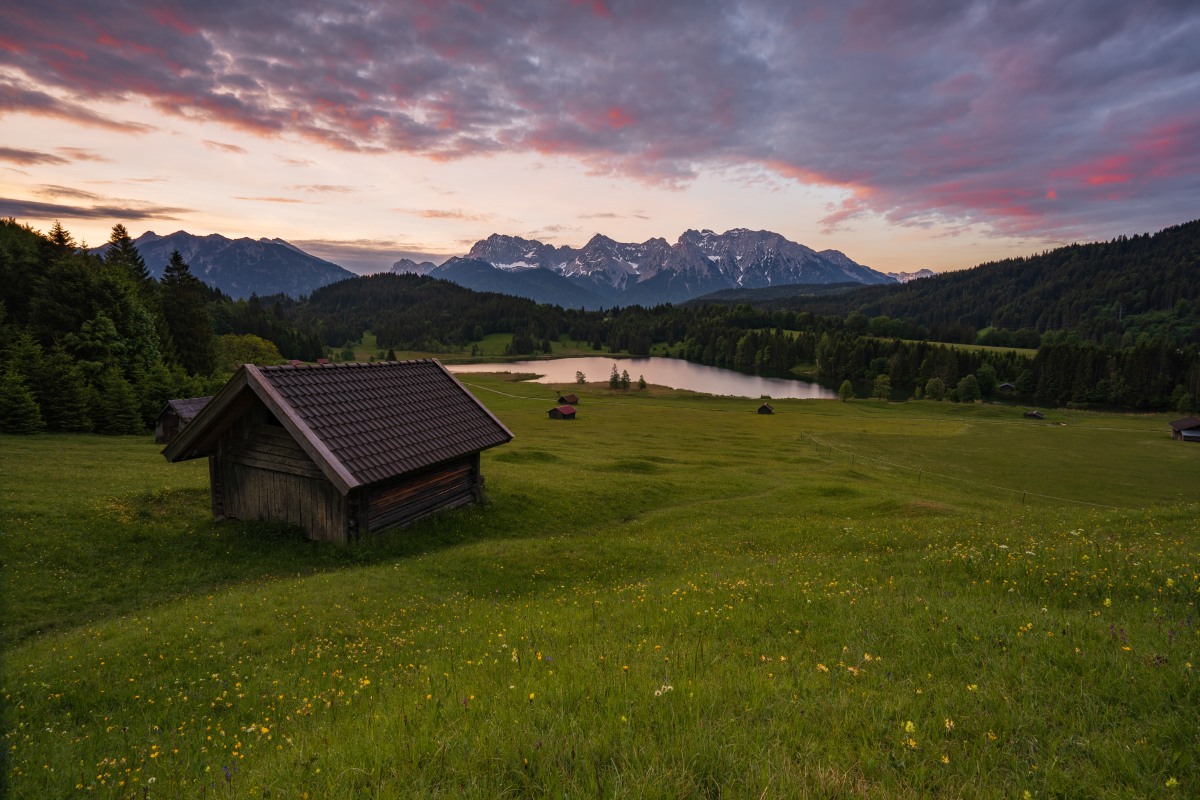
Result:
x=568 y=399
x=1186 y=430
x=175 y=415
x=341 y=450
x=1034 y=415
x=562 y=412
x=766 y=408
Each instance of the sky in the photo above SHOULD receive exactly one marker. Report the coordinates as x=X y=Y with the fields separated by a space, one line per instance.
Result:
x=908 y=134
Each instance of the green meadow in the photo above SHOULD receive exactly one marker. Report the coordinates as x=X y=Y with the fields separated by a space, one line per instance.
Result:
x=671 y=596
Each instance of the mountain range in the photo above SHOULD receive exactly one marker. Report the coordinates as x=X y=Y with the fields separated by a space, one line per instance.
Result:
x=240 y=267
x=605 y=272
x=602 y=273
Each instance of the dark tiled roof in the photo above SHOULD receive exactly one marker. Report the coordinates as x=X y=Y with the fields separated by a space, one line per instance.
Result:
x=188 y=407
x=1186 y=424
x=568 y=398
x=564 y=410
x=385 y=419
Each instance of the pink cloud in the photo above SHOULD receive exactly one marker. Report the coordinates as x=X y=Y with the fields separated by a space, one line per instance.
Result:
x=922 y=111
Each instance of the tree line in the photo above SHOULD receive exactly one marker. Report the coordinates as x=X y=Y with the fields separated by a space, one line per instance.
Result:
x=95 y=343
x=90 y=343
x=1110 y=293
x=421 y=313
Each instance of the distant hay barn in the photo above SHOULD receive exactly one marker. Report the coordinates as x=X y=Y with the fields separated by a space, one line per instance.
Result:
x=1034 y=415
x=341 y=450
x=766 y=408
x=1186 y=430
x=562 y=412
x=175 y=415
x=568 y=399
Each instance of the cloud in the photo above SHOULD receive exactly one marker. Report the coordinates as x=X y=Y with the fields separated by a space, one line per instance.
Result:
x=82 y=154
x=269 y=199
x=30 y=157
x=1046 y=117
x=224 y=147
x=66 y=193
x=19 y=98
x=452 y=214
x=366 y=256
x=32 y=209
x=324 y=188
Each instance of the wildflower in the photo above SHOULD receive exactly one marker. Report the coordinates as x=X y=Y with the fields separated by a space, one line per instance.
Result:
x=531 y=695
x=971 y=687
x=1171 y=782
x=949 y=724
x=945 y=759
x=822 y=668
x=909 y=727
x=1107 y=602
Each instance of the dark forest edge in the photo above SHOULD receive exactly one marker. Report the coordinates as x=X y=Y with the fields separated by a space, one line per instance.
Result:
x=90 y=343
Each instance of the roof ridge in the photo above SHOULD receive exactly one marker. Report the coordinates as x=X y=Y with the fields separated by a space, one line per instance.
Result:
x=342 y=364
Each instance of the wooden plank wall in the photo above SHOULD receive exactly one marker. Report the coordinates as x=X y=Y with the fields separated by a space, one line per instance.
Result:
x=265 y=474
x=409 y=498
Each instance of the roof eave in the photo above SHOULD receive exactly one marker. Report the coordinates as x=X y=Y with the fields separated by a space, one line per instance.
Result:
x=184 y=446
x=329 y=464
x=475 y=400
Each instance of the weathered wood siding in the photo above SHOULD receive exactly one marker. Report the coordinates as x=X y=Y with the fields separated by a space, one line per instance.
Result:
x=410 y=497
x=260 y=472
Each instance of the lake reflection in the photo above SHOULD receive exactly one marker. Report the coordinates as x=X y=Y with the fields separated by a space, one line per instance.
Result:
x=675 y=373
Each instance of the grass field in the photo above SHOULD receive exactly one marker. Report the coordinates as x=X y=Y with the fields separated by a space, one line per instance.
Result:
x=672 y=596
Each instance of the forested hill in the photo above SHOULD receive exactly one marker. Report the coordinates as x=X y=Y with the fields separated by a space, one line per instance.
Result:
x=1131 y=285
x=421 y=313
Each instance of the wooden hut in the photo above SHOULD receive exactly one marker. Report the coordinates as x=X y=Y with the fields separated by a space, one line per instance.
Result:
x=175 y=415
x=562 y=412
x=765 y=408
x=568 y=399
x=341 y=450
x=1186 y=430
x=1034 y=415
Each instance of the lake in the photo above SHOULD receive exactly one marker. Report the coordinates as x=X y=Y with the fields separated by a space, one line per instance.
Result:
x=672 y=372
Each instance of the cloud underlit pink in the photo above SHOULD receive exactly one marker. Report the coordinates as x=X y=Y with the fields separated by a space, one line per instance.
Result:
x=1047 y=117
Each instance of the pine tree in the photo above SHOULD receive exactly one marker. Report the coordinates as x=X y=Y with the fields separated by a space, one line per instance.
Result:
x=19 y=412
x=185 y=308
x=62 y=393
x=123 y=253
x=61 y=238
x=115 y=407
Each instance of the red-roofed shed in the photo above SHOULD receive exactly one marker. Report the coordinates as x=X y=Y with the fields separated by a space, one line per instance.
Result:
x=562 y=412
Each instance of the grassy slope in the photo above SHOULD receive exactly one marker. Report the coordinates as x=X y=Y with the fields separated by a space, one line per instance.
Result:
x=671 y=596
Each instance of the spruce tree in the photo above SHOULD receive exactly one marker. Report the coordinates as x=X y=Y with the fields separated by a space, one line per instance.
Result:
x=62 y=393
x=115 y=407
x=185 y=308
x=123 y=253
x=61 y=238
x=19 y=412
